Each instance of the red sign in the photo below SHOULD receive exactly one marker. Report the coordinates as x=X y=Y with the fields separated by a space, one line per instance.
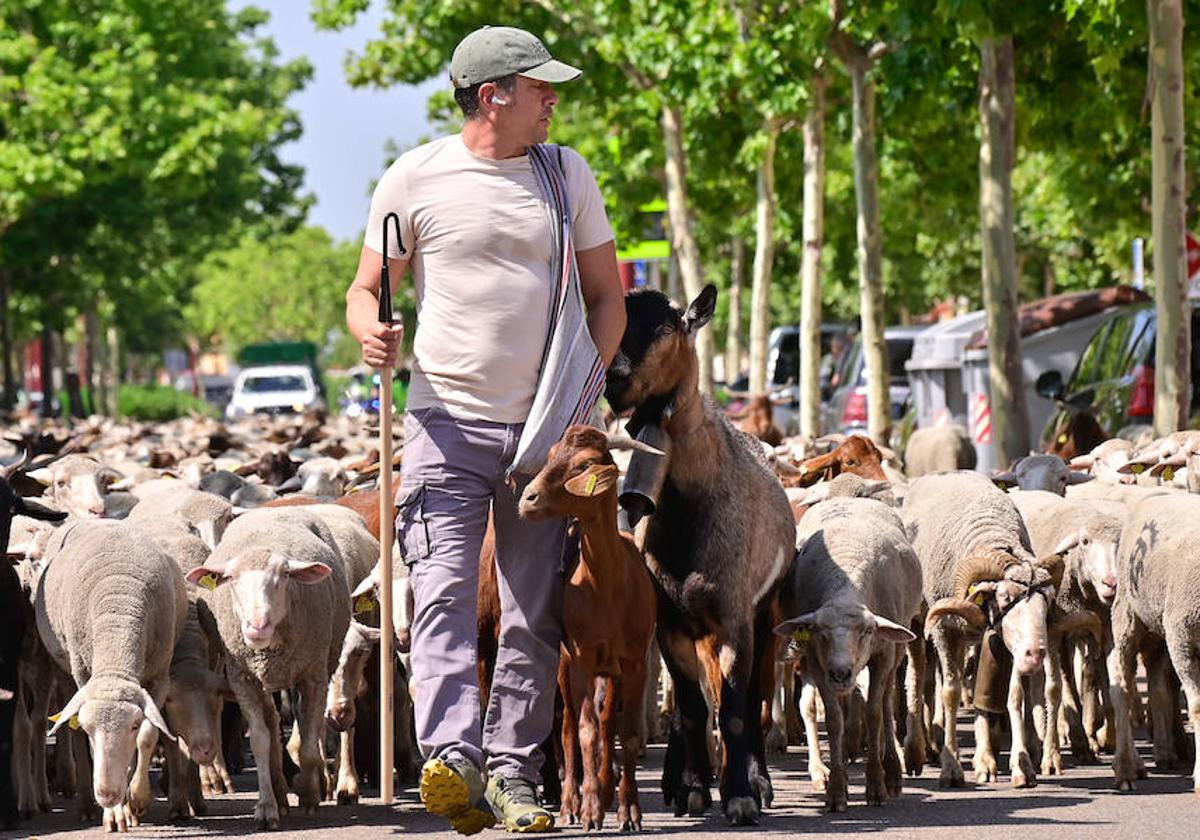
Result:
x=1193 y=257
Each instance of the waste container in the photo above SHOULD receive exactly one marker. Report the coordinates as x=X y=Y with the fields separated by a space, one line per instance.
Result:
x=949 y=367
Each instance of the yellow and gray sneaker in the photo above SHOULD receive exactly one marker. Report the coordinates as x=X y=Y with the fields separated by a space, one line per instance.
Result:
x=515 y=802
x=453 y=788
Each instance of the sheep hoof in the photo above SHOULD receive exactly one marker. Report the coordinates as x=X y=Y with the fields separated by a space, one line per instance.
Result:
x=819 y=774
x=985 y=769
x=951 y=776
x=1052 y=764
x=742 y=810
x=347 y=797
x=308 y=810
x=266 y=817
x=876 y=795
x=1125 y=785
x=776 y=743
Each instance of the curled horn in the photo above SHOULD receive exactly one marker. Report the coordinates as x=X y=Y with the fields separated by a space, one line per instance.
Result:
x=1079 y=622
x=616 y=441
x=1056 y=565
x=786 y=467
x=968 y=611
x=988 y=564
x=12 y=469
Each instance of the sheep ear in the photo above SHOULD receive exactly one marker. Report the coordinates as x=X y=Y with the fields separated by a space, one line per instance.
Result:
x=1068 y=542
x=366 y=586
x=41 y=476
x=801 y=624
x=70 y=710
x=701 y=310
x=891 y=631
x=150 y=710
x=291 y=485
x=307 y=571
x=210 y=579
x=595 y=481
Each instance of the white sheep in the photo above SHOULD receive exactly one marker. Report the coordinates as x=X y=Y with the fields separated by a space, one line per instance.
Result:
x=1158 y=578
x=282 y=606
x=1040 y=472
x=77 y=484
x=111 y=606
x=1087 y=533
x=852 y=592
x=206 y=515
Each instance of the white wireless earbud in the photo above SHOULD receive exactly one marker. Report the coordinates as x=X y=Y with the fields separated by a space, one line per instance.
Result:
x=498 y=100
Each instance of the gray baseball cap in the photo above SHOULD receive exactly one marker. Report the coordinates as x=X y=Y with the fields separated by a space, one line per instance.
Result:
x=493 y=52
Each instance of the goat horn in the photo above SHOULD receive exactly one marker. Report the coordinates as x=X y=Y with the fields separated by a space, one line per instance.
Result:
x=1056 y=565
x=785 y=467
x=12 y=469
x=986 y=564
x=625 y=442
x=968 y=611
x=1077 y=623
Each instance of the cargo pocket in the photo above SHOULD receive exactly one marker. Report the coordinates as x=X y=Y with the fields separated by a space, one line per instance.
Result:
x=413 y=533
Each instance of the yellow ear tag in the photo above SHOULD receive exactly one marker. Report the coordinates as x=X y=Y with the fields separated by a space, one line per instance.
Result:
x=1168 y=473
x=978 y=598
x=72 y=723
x=1137 y=469
x=363 y=604
x=802 y=636
x=209 y=582
x=590 y=487
x=1062 y=438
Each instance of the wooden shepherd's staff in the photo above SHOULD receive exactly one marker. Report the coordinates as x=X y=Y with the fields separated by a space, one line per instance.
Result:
x=387 y=526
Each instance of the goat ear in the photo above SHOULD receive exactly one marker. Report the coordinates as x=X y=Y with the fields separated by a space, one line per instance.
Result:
x=701 y=310
x=41 y=476
x=150 y=710
x=1005 y=480
x=307 y=571
x=892 y=632
x=594 y=481
x=36 y=510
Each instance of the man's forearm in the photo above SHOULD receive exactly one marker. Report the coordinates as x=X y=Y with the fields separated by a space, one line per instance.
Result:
x=362 y=311
x=606 y=323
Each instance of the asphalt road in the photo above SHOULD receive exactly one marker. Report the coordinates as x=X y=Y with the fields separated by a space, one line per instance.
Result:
x=1081 y=804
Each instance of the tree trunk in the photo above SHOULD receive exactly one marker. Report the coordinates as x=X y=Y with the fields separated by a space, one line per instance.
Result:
x=764 y=258
x=733 y=338
x=91 y=323
x=870 y=254
x=9 y=398
x=1172 y=355
x=683 y=243
x=112 y=372
x=47 y=409
x=810 y=265
x=1010 y=416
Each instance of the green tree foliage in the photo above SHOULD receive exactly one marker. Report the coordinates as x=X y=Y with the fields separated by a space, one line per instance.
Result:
x=134 y=139
x=289 y=288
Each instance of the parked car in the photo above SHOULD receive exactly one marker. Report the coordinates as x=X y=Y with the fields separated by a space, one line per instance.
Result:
x=846 y=409
x=1114 y=377
x=783 y=369
x=274 y=389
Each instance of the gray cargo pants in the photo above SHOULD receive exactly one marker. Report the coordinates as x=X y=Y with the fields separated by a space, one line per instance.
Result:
x=452 y=471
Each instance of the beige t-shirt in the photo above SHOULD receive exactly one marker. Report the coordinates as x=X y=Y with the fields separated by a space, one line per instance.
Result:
x=478 y=238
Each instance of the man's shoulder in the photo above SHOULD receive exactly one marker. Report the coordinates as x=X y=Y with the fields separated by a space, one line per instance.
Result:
x=426 y=152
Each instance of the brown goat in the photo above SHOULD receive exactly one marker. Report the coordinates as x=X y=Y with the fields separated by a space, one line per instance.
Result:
x=755 y=420
x=1078 y=434
x=608 y=619
x=856 y=454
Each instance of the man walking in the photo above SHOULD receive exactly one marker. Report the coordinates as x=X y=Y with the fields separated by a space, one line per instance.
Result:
x=508 y=242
